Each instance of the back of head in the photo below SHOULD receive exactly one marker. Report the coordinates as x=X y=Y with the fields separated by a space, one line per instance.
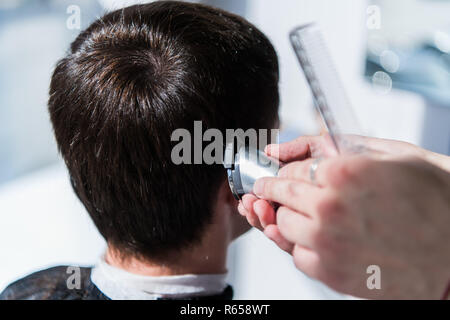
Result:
x=131 y=79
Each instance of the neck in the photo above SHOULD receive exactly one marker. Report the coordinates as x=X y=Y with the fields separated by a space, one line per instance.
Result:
x=208 y=257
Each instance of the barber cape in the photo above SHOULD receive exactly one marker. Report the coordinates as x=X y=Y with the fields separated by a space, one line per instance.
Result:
x=105 y=282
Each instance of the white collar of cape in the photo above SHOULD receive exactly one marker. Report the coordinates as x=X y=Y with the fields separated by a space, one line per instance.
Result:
x=118 y=284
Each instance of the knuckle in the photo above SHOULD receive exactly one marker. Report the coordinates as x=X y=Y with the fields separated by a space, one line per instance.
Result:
x=281 y=217
x=292 y=170
x=341 y=173
x=291 y=189
x=285 y=171
x=349 y=170
x=268 y=187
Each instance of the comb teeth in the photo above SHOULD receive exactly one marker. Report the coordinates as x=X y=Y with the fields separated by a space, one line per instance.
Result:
x=327 y=89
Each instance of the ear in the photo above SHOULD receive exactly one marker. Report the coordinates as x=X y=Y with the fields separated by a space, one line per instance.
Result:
x=227 y=195
x=239 y=224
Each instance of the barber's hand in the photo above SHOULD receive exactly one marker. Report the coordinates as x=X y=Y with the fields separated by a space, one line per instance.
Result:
x=393 y=213
x=260 y=213
x=393 y=148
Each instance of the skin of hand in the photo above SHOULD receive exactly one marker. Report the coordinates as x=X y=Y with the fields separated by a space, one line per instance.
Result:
x=370 y=209
x=399 y=148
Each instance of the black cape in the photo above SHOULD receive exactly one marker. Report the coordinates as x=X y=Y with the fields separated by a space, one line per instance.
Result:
x=50 y=284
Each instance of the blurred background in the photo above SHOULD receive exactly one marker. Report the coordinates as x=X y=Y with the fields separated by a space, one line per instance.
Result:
x=393 y=56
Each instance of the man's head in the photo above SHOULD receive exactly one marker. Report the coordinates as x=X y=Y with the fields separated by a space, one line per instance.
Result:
x=131 y=79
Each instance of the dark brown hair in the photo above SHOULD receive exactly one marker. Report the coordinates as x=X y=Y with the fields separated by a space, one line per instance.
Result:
x=130 y=80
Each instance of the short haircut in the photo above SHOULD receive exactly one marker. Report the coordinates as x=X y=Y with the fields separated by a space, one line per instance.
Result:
x=132 y=78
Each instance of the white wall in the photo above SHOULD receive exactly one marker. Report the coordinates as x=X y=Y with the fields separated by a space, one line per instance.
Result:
x=342 y=22
x=43 y=224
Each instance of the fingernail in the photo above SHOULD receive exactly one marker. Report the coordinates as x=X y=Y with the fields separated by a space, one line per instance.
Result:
x=271 y=149
x=257 y=211
x=240 y=207
x=258 y=188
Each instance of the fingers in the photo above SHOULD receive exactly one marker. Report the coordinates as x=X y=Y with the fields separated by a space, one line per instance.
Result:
x=302 y=148
x=307 y=261
x=265 y=212
x=273 y=233
x=330 y=172
x=245 y=208
x=296 y=227
x=297 y=149
x=301 y=170
x=295 y=194
x=259 y=213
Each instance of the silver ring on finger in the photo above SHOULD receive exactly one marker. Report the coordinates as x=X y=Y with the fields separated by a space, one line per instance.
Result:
x=313 y=169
